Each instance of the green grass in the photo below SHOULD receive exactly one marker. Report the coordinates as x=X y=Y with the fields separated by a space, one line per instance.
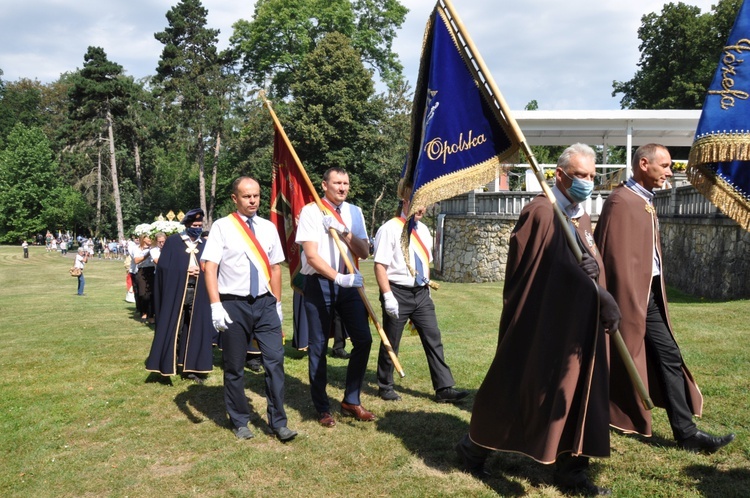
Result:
x=79 y=417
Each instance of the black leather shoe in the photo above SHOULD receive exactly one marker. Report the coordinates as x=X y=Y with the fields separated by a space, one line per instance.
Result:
x=702 y=442
x=341 y=353
x=285 y=434
x=388 y=395
x=255 y=365
x=469 y=463
x=450 y=395
x=583 y=488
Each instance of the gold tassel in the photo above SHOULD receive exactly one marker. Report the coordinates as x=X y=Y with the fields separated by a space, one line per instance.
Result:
x=719 y=192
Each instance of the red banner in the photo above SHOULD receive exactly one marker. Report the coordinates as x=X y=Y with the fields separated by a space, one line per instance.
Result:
x=289 y=194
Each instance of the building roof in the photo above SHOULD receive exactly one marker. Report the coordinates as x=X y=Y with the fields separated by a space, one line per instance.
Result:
x=672 y=128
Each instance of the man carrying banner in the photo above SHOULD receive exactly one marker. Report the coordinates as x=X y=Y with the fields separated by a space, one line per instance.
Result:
x=628 y=235
x=243 y=280
x=329 y=288
x=406 y=296
x=546 y=392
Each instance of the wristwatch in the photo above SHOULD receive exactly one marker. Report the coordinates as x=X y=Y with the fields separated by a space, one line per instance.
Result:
x=345 y=232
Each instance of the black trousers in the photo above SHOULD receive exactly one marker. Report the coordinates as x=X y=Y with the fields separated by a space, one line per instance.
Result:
x=257 y=319
x=661 y=345
x=416 y=304
x=322 y=298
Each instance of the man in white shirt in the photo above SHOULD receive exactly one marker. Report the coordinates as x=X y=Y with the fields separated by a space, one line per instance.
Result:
x=404 y=295
x=329 y=287
x=243 y=280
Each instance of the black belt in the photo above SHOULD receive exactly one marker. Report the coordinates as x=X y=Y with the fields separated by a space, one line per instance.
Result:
x=410 y=288
x=233 y=297
x=317 y=275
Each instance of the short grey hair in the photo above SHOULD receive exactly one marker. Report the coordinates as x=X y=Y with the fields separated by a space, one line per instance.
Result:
x=577 y=149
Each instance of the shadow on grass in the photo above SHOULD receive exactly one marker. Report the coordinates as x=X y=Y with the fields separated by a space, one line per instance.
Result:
x=715 y=483
x=431 y=437
x=655 y=440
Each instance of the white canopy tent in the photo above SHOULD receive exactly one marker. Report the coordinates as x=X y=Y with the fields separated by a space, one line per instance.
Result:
x=630 y=128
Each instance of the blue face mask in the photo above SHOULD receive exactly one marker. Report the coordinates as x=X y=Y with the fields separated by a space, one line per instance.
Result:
x=194 y=232
x=581 y=189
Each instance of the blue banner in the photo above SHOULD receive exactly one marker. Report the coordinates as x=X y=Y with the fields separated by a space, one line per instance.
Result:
x=719 y=164
x=457 y=141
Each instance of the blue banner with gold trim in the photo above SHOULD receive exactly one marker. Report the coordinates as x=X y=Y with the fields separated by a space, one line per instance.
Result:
x=719 y=164
x=457 y=142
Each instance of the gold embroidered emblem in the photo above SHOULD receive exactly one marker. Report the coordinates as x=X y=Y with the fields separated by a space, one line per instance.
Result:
x=650 y=209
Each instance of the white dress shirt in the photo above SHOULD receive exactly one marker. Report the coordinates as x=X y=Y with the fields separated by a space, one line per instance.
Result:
x=311 y=229
x=388 y=251
x=229 y=249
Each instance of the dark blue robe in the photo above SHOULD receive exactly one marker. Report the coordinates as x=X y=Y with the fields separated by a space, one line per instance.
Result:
x=195 y=348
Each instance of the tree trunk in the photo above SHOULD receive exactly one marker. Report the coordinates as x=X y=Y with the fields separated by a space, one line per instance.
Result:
x=212 y=199
x=138 y=178
x=99 y=186
x=201 y=172
x=374 y=208
x=115 y=182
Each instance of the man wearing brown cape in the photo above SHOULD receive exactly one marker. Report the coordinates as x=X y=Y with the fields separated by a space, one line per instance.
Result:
x=546 y=392
x=628 y=236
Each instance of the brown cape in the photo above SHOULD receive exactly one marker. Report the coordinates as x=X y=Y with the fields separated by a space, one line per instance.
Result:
x=546 y=390
x=626 y=233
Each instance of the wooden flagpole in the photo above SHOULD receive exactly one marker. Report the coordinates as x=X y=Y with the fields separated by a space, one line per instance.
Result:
x=477 y=67
x=339 y=244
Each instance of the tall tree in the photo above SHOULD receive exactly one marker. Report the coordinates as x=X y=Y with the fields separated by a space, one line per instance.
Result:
x=190 y=73
x=98 y=94
x=20 y=102
x=679 y=51
x=336 y=118
x=272 y=47
x=28 y=176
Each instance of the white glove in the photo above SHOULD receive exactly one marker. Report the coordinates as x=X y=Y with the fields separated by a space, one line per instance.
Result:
x=279 y=312
x=220 y=317
x=350 y=280
x=390 y=304
x=331 y=222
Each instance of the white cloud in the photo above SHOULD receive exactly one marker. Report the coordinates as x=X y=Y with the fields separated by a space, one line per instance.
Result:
x=565 y=55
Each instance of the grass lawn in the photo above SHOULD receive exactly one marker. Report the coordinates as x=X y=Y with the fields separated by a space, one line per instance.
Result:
x=80 y=416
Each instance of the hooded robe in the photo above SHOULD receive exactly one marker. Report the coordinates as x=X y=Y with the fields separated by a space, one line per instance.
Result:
x=546 y=392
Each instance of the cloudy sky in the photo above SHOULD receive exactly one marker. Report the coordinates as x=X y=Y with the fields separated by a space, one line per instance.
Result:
x=564 y=55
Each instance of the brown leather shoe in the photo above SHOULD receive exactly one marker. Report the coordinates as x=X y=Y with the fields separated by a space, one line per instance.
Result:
x=356 y=411
x=326 y=419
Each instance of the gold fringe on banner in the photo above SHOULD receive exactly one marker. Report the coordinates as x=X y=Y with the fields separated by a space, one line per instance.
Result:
x=719 y=148
x=455 y=183
x=719 y=192
x=715 y=148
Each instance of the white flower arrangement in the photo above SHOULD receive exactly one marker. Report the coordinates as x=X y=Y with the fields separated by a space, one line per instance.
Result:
x=142 y=228
x=168 y=227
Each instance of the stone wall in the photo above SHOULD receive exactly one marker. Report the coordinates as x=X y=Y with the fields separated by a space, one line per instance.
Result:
x=475 y=248
x=707 y=257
